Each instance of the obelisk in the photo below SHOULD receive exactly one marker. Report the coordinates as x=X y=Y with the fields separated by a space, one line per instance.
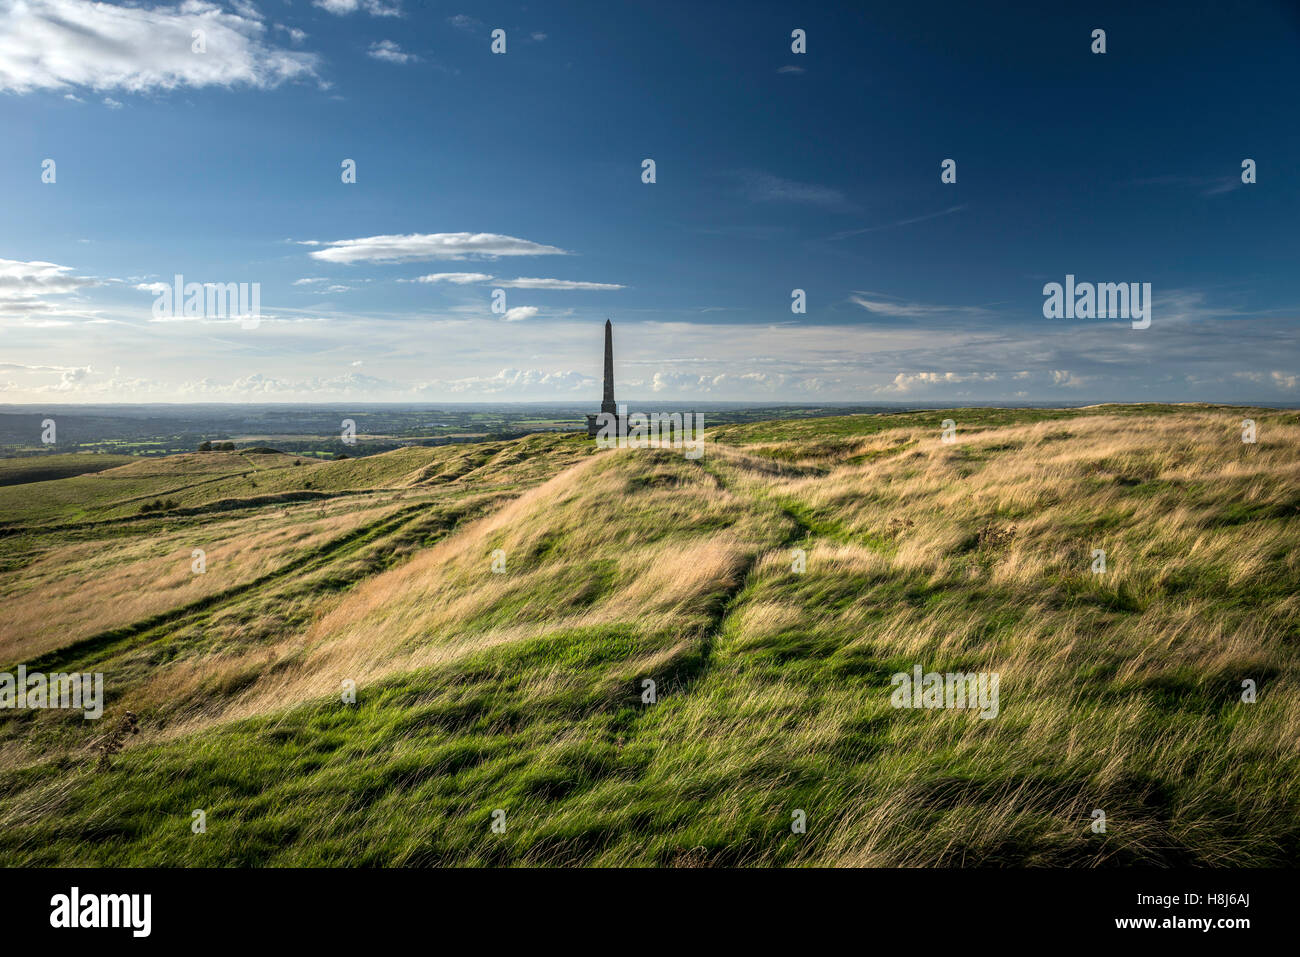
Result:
x=607 y=404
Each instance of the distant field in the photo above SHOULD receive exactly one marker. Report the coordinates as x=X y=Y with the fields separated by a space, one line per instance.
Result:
x=770 y=589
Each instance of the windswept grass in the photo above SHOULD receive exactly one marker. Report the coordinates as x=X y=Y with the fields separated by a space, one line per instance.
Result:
x=45 y=468
x=525 y=689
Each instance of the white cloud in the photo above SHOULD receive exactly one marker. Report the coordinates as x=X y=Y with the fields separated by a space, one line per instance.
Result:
x=466 y=278
x=390 y=52
x=513 y=380
x=905 y=382
x=555 y=284
x=55 y=44
x=428 y=246
x=673 y=381
x=1067 y=379
x=24 y=287
x=375 y=8
x=19 y=279
x=295 y=35
x=520 y=312
x=20 y=367
x=746 y=384
x=111 y=103
x=458 y=278
x=71 y=378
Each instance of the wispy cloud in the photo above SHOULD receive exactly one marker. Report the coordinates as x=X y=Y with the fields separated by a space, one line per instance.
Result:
x=899 y=308
x=456 y=278
x=467 y=278
x=71 y=378
x=900 y=222
x=463 y=21
x=1205 y=185
x=556 y=284
x=25 y=288
x=760 y=187
x=417 y=247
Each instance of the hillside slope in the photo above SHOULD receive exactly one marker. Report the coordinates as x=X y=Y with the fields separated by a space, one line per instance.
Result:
x=769 y=590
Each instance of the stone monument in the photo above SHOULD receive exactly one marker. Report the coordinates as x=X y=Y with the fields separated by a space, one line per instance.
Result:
x=607 y=406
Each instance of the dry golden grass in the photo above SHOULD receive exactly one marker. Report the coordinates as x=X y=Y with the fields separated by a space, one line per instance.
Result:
x=75 y=590
x=414 y=616
x=1119 y=691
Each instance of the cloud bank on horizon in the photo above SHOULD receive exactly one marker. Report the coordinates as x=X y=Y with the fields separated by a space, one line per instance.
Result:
x=873 y=218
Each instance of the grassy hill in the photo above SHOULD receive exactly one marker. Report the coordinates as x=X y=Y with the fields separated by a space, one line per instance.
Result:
x=43 y=468
x=522 y=690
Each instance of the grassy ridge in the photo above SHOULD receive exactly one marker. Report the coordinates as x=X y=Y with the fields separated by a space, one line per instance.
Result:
x=45 y=468
x=523 y=690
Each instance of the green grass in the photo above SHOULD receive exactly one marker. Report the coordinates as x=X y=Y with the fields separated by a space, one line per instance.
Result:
x=45 y=468
x=524 y=691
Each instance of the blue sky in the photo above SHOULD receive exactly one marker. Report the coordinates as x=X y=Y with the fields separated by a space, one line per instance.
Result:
x=522 y=172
